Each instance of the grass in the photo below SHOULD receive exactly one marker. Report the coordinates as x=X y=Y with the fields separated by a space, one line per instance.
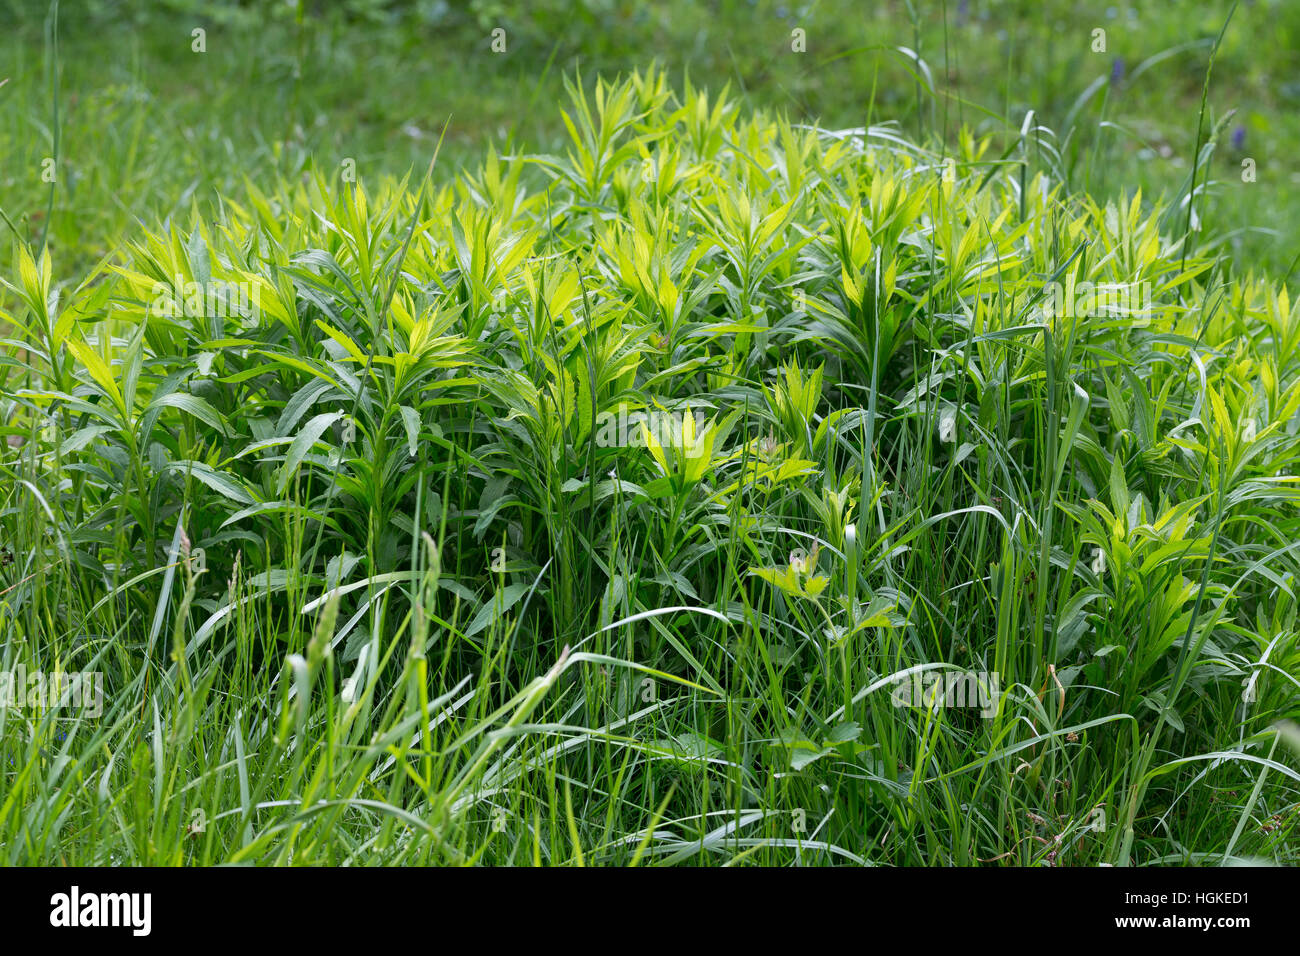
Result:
x=617 y=500
x=147 y=125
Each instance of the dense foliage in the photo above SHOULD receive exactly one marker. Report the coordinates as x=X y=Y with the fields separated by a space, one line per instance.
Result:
x=591 y=506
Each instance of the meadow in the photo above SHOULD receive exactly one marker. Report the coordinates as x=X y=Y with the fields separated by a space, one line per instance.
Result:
x=727 y=434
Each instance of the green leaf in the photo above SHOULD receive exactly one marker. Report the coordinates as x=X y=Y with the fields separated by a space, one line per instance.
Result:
x=496 y=608
x=411 y=419
x=218 y=481
x=195 y=406
x=302 y=444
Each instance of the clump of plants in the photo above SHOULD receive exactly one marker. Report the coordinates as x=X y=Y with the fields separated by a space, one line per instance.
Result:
x=715 y=489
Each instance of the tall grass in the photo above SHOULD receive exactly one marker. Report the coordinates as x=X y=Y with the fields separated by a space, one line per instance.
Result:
x=387 y=569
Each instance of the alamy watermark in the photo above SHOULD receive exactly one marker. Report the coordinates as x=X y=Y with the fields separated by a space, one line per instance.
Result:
x=216 y=298
x=1130 y=300
x=77 y=909
x=79 y=691
x=630 y=429
x=947 y=689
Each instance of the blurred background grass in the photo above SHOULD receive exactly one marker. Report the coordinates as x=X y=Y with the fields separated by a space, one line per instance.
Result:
x=145 y=125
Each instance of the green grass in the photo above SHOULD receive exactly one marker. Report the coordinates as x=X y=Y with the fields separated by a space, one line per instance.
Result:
x=146 y=125
x=383 y=568
x=683 y=649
